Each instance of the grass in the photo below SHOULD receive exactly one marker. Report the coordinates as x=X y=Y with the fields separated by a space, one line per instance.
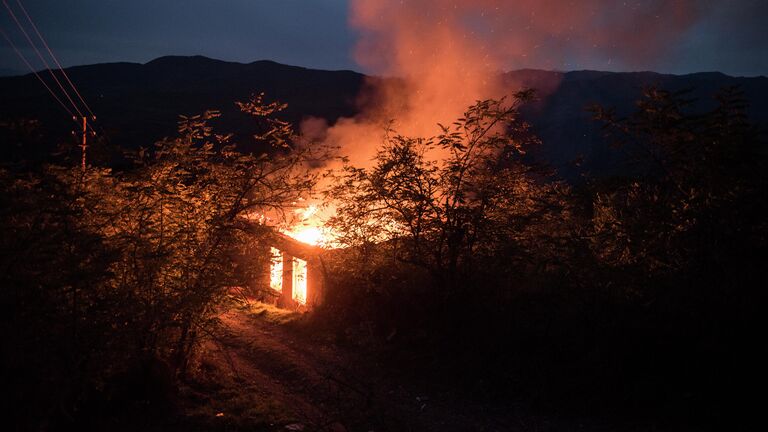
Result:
x=271 y=313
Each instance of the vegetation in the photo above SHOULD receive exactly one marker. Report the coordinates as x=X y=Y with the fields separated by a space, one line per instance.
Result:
x=634 y=295
x=111 y=279
x=466 y=265
x=449 y=203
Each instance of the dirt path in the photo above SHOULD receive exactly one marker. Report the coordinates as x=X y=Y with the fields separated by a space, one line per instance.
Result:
x=278 y=378
x=311 y=382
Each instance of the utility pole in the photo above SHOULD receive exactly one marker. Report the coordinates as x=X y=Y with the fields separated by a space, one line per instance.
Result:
x=84 y=145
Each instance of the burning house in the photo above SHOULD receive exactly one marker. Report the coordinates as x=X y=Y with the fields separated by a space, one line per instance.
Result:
x=295 y=273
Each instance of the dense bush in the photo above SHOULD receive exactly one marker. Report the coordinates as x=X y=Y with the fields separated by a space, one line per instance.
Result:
x=111 y=279
x=637 y=295
x=466 y=264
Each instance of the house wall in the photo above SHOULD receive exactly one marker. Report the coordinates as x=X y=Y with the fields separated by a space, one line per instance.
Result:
x=315 y=282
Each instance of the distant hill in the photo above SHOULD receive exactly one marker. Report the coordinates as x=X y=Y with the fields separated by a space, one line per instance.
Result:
x=567 y=129
x=138 y=104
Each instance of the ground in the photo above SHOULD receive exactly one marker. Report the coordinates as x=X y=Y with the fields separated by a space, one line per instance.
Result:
x=270 y=373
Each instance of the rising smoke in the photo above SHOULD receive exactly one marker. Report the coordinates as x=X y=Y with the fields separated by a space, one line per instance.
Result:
x=448 y=54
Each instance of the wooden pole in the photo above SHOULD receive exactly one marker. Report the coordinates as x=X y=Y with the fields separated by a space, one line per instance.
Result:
x=84 y=145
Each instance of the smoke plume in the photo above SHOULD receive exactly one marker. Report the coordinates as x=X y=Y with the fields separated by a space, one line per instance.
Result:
x=445 y=54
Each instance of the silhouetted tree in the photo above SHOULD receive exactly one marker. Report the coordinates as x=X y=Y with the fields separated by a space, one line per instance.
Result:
x=452 y=203
x=699 y=187
x=122 y=274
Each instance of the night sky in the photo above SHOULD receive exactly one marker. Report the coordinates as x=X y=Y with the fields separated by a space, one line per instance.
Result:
x=728 y=36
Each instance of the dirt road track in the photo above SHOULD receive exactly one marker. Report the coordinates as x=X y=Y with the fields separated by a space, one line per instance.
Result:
x=283 y=379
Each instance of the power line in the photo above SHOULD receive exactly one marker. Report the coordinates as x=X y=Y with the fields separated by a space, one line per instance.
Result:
x=24 y=59
x=40 y=56
x=55 y=59
x=85 y=123
x=48 y=48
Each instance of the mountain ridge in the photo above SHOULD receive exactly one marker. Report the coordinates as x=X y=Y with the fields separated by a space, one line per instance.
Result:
x=173 y=58
x=139 y=103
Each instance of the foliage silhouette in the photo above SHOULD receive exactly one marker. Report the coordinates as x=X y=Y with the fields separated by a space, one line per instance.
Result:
x=111 y=279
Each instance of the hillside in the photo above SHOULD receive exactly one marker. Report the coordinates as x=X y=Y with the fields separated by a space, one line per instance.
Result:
x=567 y=129
x=138 y=104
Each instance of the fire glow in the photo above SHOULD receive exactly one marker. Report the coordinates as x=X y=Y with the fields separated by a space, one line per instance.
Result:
x=310 y=235
x=447 y=55
x=298 y=275
x=289 y=275
x=299 y=281
x=276 y=270
x=308 y=229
